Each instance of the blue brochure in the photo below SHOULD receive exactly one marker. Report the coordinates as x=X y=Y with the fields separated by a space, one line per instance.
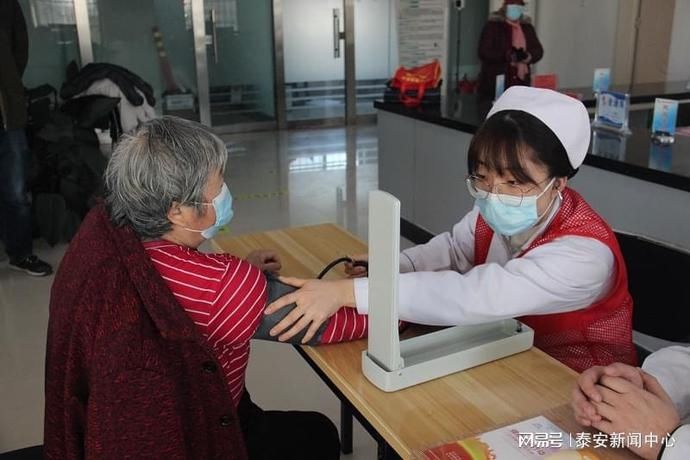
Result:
x=602 y=80
x=665 y=115
x=612 y=111
x=500 y=85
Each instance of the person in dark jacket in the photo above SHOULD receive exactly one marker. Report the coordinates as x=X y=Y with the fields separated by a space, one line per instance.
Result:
x=126 y=369
x=508 y=45
x=15 y=204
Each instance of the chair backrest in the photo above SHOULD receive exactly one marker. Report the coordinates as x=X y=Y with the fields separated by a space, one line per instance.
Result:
x=659 y=282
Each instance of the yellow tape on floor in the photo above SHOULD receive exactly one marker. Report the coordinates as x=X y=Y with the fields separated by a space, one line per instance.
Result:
x=260 y=196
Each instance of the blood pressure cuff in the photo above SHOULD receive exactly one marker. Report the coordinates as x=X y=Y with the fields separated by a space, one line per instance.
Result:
x=276 y=290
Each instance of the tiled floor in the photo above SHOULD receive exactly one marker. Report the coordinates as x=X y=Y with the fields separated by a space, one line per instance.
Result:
x=23 y=324
x=279 y=179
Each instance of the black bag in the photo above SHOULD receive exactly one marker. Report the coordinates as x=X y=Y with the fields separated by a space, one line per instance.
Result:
x=68 y=164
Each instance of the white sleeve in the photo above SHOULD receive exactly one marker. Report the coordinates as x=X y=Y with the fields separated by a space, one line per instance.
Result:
x=680 y=449
x=671 y=367
x=452 y=250
x=567 y=274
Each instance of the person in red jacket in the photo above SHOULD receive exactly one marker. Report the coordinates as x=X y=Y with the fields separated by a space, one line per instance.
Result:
x=508 y=46
x=149 y=338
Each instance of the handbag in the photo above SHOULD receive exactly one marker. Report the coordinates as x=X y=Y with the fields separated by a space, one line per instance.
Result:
x=414 y=82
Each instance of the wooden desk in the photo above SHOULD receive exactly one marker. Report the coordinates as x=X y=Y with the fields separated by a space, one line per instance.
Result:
x=454 y=407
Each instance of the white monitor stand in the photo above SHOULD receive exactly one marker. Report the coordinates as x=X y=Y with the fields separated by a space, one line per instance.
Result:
x=393 y=365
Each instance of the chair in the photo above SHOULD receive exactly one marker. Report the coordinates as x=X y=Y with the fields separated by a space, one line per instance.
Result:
x=658 y=279
x=29 y=453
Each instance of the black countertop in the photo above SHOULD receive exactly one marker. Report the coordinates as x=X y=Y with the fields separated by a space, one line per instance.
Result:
x=462 y=112
x=634 y=155
x=637 y=156
x=640 y=93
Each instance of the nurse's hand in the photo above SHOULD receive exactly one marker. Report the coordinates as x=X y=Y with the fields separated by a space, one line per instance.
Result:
x=317 y=300
x=265 y=260
x=586 y=392
x=626 y=408
x=357 y=271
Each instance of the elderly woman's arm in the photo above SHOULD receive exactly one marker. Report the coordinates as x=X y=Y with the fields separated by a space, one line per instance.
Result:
x=266 y=260
x=345 y=325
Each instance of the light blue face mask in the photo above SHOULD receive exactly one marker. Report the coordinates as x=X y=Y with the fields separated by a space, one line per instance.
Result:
x=514 y=12
x=222 y=205
x=509 y=215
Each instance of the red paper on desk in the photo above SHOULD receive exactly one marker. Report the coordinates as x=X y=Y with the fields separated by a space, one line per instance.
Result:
x=545 y=80
x=523 y=440
x=577 y=96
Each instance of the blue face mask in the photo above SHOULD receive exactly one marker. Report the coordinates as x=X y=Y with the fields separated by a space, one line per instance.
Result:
x=509 y=215
x=222 y=205
x=514 y=12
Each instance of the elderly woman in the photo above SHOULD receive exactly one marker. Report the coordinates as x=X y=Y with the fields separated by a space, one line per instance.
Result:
x=148 y=338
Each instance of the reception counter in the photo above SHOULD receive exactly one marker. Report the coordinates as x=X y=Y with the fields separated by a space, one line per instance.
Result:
x=640 y=93
x=636 y=185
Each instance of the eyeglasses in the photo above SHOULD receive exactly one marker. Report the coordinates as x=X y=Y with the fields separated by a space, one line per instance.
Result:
x=205 y=203
x=201 y=203
x=508 y=193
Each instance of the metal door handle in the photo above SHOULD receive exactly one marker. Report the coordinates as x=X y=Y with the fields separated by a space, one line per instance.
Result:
x=336 y=33
x=214 y=33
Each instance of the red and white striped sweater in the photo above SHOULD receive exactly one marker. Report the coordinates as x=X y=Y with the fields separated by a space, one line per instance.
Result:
x=225 y=296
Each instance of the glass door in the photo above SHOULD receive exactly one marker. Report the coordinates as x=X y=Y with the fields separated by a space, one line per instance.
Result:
x=239 y=63
x=338 y=56
x=154 y=39
x=207 y=60
x=314 y=60
x=53 y=43
x=376 y=48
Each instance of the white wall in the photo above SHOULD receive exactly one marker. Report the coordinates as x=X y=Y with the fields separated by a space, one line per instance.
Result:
x=679 y=55
x=603 y=190
x=420 y=162
x=578 y=36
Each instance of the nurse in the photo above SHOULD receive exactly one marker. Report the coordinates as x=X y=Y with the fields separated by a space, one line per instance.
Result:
x=531 y=248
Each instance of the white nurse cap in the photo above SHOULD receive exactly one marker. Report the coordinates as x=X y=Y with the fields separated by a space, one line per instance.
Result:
x=564 y=115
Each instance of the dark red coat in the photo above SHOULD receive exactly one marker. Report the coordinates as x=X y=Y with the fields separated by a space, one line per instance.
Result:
x=127 y=373
x=495 y=44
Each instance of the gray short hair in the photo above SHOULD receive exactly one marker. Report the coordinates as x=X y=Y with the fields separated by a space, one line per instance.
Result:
x=167 y=159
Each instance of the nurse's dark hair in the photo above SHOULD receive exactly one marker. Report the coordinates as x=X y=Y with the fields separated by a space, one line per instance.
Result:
x=510 y=135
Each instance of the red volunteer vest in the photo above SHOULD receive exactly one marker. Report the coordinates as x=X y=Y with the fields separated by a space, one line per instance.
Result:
x=594 y=336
